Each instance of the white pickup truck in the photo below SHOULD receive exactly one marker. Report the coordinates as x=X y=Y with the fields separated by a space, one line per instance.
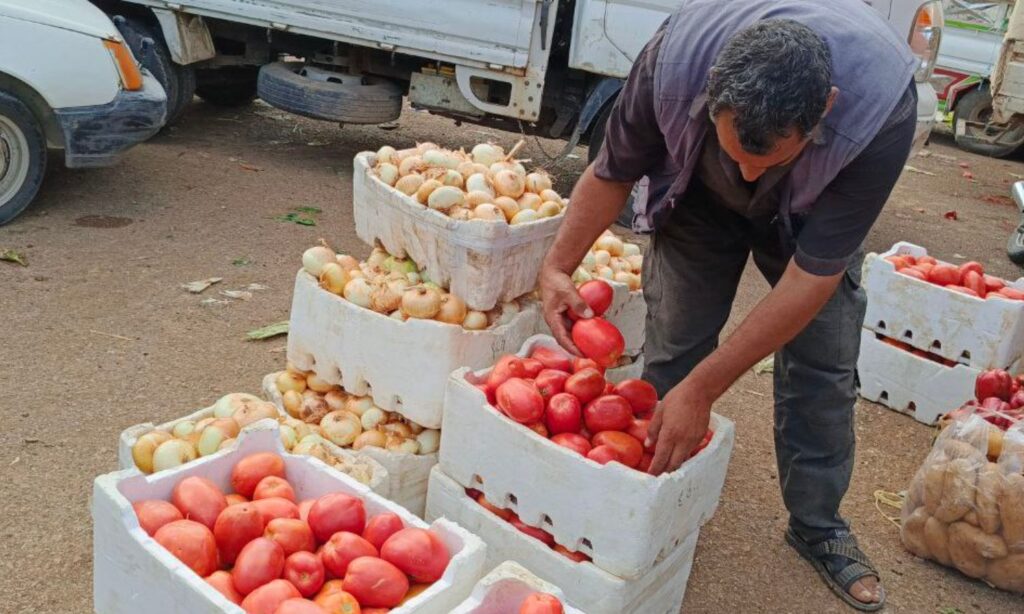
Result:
x=547 y=67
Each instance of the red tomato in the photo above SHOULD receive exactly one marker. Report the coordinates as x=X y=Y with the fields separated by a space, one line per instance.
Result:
x=297 y=605
x=342 y=548
x=259 y=562
x=235 y=527
x=331 y=586
x=703 y=443
x=944 y=275
x=191 y=543
x=531 y=367
x=199 y=499
x=533 y=532
x=639 y=428
x=267 y=598
x=641 y=395
x=1012 y=293
x=500 y=512
x=375 y=582
x=340 y=602
x=381 y=527
x=1017 y=400
x=608 y=413
x=974 y=281
x=604 y=455
x=628 y=448
x=306 y=571
x=915 y=273
x=993 y=283
x=221 y=582
x=553 y=359
x=155 y=513
x=579 y=557
x=963 y=290
x=507 y=366
x=609 y=388
x=597 y=295
x=335 y=512
x=579 y=364
x=541 y=603
x=488 y=392
x=273 y=486
x=563 y=414
x=248 y=472
x=292 y=534
x=539 y=428
x=520 y=400
x=276 y=507
x=993 y=383
x=900 y=261
x=304 y=509
x=375 y=611
x=599 y=340
x=645 y=462
x=235 y=498
x=574 y=441
x=550 y=382
x=924 y=267
x=585 y=385
x=927 y=260
x=419 y=553
x=970 y=266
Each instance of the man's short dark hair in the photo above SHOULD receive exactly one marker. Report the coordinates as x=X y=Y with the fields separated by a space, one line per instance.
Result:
x=775 y=76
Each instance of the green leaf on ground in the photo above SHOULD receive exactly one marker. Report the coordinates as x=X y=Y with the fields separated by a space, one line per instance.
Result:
x=268 y=331
x=12 y=255
x=766 y=365
x=309 y=209
x=241 y=261
x=295 y=218
x=950 y=610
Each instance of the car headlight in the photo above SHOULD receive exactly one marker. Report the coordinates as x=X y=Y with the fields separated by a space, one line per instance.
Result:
x=131 y=76
x=925 y=35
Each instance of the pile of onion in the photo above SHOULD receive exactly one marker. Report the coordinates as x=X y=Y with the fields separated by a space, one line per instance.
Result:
x=320 y=412
x=396 y=287
x=485 y=184
x=613 y=259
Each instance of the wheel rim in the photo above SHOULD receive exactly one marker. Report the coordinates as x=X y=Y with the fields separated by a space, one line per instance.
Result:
x=14 y=159
x=979 y=127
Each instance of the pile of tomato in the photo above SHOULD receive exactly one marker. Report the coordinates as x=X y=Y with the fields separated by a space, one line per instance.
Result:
x=969 y=278
x=271 y=554
x=541 y=603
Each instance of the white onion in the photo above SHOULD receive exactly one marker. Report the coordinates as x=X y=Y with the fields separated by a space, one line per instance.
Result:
x=589 y=260
x=318 y=384
x=410 y=165
x=313 y=410
x=386 y=296
x=145 y=446
x=550 y=194
x=310 y=394
x=468 y=169
x=395 y=443
x=507 y=312
x=537 y=182
x=634 y=282
x=422 y=148
x=421 y=302
x=429 y=440
x=439 y=157
x=372 y=417
x=292 y=401
x=288 y=436
x=508 y=183
x=452 y=178
x=453 y=309
x=312 y=448
x=515 y=167
x=397 y=428
x=460 y=214
x=409 y=184
x=619 y=265
x=314 y=258
x=479 y=183
x=549 y=209
x=211 y=439
x=386 y=154
x=602 y=258
x=388 y=173
x=335 y=399
x=529 y=200
x=254 y=412
x=509 y=207
x=172 y=453
x=478 y=198
x=605 y=272
x=445 y=197
x=371 y=439
x=611 y=244
x=525 y=216
x=397 y=315
x=377 y=258
x=205 y=422
x=488 y=212
x=636 y=262
x=333 y=278
x=183 y=429
x=358 y=291
x=475 y=320
x=486 y=153
x=359 y=405
x=341 y=428
x=580 y=275
x=630 y=249
x=347 y=262
x=426 y=189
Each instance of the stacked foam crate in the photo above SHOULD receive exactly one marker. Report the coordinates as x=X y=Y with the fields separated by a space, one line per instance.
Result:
x=625 y=539
x=923 y=345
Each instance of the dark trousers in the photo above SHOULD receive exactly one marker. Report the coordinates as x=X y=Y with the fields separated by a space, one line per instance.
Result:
x=691 y=272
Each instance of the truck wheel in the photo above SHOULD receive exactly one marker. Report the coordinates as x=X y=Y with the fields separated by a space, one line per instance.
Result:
x=594 y=147
x=227 y=87
x=971 y=129
x=179 y=82
x=321 y=94
x=22 y=157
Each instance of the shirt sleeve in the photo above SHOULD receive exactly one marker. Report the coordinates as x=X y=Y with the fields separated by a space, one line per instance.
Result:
x=633 y=142
x=849 y=206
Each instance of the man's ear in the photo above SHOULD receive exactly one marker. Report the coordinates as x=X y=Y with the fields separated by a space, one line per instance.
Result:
x=832 y=95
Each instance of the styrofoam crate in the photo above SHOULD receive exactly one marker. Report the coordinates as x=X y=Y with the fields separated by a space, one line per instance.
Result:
x=504 y=589
x=628 y=312
x=981 y=333
x=402 y=365
x=380 y=479
x=566 y=494
x=484 y=263
x=132 y=573
x=910 y=384
x=586 y=586
x=407 y=474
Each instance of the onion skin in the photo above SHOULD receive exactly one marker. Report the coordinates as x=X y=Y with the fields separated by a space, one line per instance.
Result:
x=388 y=173
x=509 y=207
x=453 y=310
x=172 y=453
x=386 y=154
x=488 y=213
x=409 y=184
x=429 y=441
x=537 y=182
x=426 y=190
x=358 y=291
x=486 y=153
x=292 y=401
x=530 y=200
x=551 y=195
x=314 y=258
x=333 y=278
x=524 y=217
x=370 y=438
x=475 y=320
x=508 y=183
x=145 y=446
x=421 y=302
x=411 y=164
x=341 y=428
x=549 y=209
x=478 y=198
x=286 y=380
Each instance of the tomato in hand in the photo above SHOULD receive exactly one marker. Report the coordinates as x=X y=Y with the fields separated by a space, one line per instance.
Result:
x=599 y=340
x=248 y=472
x=273 y=486
x=585 y=385
x=306 y=571
x=341 y=549
x=221 y=582
x=608 y=413
x=640 y=428
x=597 y=294
x=419 y=553
x=155 y=513
x=292 y=534
x=259 y=562
x=520 y=400
x=553 y=359
x=267 y=598
x=375 y=582
x=381 y=527
x=199 y=499
x=335 y=512
x=641 y=395
x=191 y=543
x=541 y=603
x=235 y=527
x=574 y=441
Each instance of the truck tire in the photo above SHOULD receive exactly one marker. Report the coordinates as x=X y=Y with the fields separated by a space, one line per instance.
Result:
x=976 y=107
x=233 y=86
x=22 y=157
x=344 y=98
x=179 y=82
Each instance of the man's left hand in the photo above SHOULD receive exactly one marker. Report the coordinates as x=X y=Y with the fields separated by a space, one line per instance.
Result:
x=680 y=422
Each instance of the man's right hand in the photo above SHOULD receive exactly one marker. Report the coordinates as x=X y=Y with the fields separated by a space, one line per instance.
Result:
x=558 y=295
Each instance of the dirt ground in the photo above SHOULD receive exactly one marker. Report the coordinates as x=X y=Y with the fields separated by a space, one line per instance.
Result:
x=96 y=334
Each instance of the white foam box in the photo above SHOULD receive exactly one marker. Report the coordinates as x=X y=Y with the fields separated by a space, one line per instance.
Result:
x=484 y=263
x=132 y=573
x=587 y=587
x=504 y=589
x=628 y=312
x=380 y=480
x=981 y=333
x=406 y=474
x=402 y=365
x=910 y=384
x=566 y=494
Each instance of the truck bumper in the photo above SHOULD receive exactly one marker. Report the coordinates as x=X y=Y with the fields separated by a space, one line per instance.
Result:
x=927 y=107
x=97 y=135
